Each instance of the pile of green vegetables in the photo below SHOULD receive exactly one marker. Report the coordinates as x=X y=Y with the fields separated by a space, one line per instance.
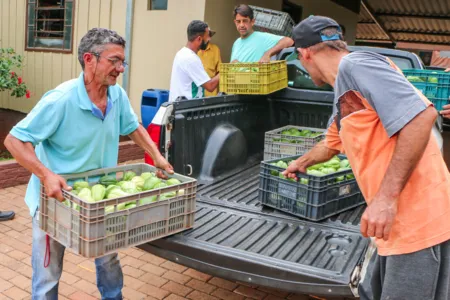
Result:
x=430 y=79
x=108 y=187
x=294 y=132
x=326 y=168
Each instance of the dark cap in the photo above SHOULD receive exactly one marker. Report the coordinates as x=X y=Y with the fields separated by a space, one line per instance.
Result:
x=211 y=32
x=307 y=32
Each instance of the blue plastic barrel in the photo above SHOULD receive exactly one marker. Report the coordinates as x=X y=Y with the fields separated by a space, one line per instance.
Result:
x=151 y=101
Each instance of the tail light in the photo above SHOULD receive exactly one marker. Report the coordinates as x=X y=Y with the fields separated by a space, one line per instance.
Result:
x=154 y=131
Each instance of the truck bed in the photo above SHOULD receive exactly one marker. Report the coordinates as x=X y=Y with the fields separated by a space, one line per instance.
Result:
x=235 y=237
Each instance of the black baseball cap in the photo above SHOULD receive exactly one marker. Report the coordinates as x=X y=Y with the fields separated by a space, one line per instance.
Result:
x=307 y=32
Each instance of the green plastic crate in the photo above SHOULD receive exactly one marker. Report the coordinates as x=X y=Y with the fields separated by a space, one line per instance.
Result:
x=435 y=85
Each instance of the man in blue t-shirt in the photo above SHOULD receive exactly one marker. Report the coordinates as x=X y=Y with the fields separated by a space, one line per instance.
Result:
x=254 y=46
x=75 y=128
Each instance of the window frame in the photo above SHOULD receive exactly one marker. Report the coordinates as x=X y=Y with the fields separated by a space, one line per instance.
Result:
x=51 y=50
x=150 y=6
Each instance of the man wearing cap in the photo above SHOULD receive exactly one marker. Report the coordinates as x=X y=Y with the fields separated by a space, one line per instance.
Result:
x=211 y=60
x=254 y=46
x=383 y=124
x=188 y=75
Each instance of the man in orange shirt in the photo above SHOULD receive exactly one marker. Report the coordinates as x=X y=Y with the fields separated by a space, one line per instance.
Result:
x=383 y=124
x=211 y=60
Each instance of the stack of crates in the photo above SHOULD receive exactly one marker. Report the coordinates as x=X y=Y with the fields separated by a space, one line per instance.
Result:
x=92 y=229
x=253 y=78
x=273 y=21
x=435 y=85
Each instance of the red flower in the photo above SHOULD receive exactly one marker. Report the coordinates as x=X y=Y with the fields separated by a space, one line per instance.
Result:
x=12 y=74
x=28 y=94
x=19 y=80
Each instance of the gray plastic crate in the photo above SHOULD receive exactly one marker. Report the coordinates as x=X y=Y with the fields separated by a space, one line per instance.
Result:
x=320 y=198
x=272 y=21
x=297 y=145
x=91 y=233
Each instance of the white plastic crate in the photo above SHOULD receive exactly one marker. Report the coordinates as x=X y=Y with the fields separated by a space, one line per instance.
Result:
x=91 y=233
x=275 y=148
x=273 y=21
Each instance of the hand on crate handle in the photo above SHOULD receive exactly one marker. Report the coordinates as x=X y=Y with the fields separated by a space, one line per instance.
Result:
x=164 y=165
x=293 y=168
x=265 y=59
x=445 y=112
x=54 y=184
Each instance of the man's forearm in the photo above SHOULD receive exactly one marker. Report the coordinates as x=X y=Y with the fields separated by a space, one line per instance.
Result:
x=211 y=85
x=143 y=140
x=318 y=154
x=24 y=154
x=282 y=44
x=411 y=143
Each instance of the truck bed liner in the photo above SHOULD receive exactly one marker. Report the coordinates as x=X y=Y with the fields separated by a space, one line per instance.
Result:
x=240 y=191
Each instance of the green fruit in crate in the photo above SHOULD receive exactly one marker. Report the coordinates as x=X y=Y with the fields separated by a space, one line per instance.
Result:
x=76 y=207
x=340 y=178
x=343 y=169
x=147 y=175
x=130 y=205
x=98 y=192
x=344 y=163
x=173 y=181
x=315 y=167
x=129 y=187
x=315 y=173
x=282 y=164
x=148 y=200
x=109 y=209
x=116 y=193
x=107 y=180
x=150 y=183
x=414 y=79
x=75 y=192
x=160 y=185
x=78 y=185
x=304 y=181
x=128 y=175
x=350 y=176
x=433 y=79
x=332 y=164
x=328 y=170
x=110 y=188
x=138 y=181
x=286 y=132
x=86 y=195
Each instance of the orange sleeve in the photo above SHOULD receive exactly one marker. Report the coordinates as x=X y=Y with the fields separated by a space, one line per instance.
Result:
x=332 y=139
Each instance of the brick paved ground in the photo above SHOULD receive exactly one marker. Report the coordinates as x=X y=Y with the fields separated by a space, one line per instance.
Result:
x=146 y=276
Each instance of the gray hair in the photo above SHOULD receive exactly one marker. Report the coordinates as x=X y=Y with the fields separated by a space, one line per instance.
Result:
x=95 y=40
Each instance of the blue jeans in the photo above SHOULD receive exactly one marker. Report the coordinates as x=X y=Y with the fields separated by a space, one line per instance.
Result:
x=45 y=280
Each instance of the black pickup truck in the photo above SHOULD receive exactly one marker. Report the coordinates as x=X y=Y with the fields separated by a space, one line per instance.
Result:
x=220 y=141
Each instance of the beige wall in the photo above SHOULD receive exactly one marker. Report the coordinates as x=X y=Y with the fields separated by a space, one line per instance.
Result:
x=330 y=9
x=44 y=71
x=157 y=36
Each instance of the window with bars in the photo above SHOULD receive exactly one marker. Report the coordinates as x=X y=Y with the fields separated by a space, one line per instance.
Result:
x=49 y=25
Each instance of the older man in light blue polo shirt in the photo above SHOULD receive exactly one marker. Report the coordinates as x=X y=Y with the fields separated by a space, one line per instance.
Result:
x=76 y=128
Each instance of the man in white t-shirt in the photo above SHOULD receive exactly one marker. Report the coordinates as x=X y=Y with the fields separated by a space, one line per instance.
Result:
x=189 y=78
